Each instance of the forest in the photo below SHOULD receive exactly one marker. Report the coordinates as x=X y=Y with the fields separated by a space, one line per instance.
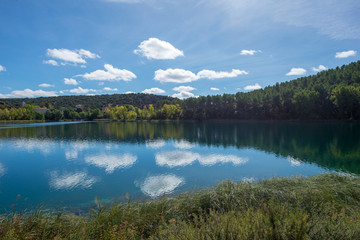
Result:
x=330 y=94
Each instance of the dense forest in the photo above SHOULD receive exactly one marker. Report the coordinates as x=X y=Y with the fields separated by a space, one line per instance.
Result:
x=96 y=101
x=331 y=94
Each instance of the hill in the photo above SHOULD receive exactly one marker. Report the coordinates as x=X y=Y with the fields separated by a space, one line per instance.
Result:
x=96 y=101
x=330 y=94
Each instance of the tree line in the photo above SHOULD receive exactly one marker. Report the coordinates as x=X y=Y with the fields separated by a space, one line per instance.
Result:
x=331 y=94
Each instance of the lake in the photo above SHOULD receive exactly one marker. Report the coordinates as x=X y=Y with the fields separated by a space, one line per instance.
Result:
x=69 y=164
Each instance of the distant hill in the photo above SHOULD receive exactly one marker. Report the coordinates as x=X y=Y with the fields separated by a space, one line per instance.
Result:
x=96 y=101
x=330 y=94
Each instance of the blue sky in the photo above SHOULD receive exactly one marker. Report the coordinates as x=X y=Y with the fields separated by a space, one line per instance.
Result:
x=169 y=47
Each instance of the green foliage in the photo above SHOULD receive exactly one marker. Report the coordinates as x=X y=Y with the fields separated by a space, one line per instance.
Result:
x=319 y=207
x=347 y=101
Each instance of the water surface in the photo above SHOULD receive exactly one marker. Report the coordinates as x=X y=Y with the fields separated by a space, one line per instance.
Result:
x=69 y=164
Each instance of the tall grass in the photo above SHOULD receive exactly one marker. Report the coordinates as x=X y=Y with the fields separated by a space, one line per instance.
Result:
x=319 y=207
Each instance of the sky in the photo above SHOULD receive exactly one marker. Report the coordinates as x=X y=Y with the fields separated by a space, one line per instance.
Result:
x=183 y=49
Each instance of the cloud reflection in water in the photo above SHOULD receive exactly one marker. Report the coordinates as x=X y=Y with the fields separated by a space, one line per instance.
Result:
x=111 y=162
x=156 y=186
x=155 y=144
x=183 y=144
x=69 y=181
x=294 y=161
x=184 y=158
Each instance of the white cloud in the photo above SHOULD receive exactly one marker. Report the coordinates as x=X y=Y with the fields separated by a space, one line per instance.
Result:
x=29 y=93
x=320 y=68
x=156 y=186
x=296 y=72
x=153 y=91
x=70 y=56
x=111 y=162
x=210 y=74
x=253 y=87
x=110 y=89
x=184 y=89
x=51 y=62
x=2 y=68
x=81 y=90
x=184 y=92
x=184 y=76
x=175 y=75
x=155 y=144
x=46 y=85
x=129 y=92
x=249 y=52
x=70 y=81
x=88 y=54
x=154 y=48
x=345 y=54
x=111 y=74
x=214 y=89
x=69 y=181
x=183 y=95
x=184 y=158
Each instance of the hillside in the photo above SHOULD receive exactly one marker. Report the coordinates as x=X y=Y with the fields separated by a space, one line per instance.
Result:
x=330 y=94
x=96 y=101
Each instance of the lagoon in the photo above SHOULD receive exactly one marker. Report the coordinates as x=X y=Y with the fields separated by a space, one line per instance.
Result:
x=57 y=165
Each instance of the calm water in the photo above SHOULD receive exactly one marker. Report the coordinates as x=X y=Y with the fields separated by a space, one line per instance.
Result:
x=69 y=164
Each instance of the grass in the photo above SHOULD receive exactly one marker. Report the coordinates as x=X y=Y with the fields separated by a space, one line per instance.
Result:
x=320 y=207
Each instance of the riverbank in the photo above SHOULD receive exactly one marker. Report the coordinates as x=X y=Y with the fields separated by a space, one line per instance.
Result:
x=319 y=207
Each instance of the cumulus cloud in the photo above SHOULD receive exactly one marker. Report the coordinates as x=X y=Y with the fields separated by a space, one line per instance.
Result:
x=183 y=95
x=28 y=93
x=183 y=158
x=111 y=162
x=70 y=81
x=252 y=87
x=129 y=92
x=184 y=76
x=183 y=89
x=156 y=186
x=81 y=90
x=154 y=48
x=77 y=56
x=214 y=89
x=70 y=181
x=296 y=72
x=249 y=52
x=210 y=74
x=320 y=68
x=183 y=92
x=46 y=85
x=153 y=91
x=51 y=62
x=2 y=68
x=345 y=54
x=175 y=75
x=111 y=74
x=110 y=89
x=155 y=144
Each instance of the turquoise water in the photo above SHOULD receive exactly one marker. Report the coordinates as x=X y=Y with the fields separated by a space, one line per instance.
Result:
x=69 y=164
